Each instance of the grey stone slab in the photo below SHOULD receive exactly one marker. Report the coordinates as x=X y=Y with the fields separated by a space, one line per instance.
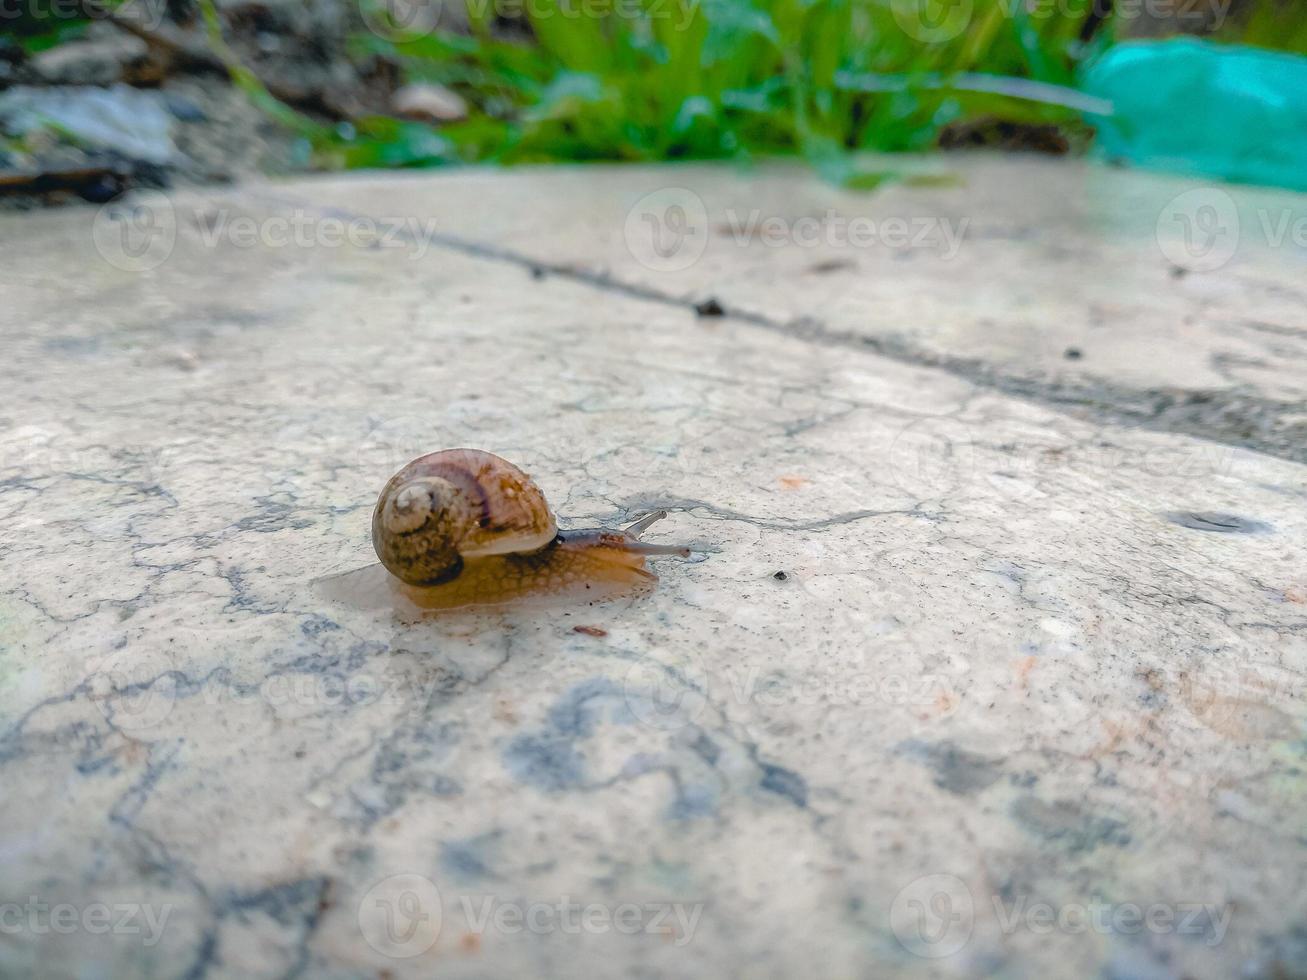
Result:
x=957 y=684
x=1126 y=295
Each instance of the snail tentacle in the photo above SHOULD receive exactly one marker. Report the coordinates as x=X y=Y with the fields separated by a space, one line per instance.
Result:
x=644 y=523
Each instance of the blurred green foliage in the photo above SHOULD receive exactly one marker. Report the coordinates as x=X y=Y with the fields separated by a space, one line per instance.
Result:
x=1280 y=25
x=33 y=34
x=678 y=79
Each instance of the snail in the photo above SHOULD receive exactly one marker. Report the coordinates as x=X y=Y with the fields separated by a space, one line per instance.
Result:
x=463 y=527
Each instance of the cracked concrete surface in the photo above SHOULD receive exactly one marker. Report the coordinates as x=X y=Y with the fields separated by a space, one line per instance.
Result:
x=967 y=678
x=1125 y=296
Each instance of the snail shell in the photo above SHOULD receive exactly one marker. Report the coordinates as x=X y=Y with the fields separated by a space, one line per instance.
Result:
x=463 y=527
x=446 y=507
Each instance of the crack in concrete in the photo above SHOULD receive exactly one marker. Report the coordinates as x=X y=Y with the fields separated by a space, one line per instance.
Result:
x=1235 y=417
x=402 y=757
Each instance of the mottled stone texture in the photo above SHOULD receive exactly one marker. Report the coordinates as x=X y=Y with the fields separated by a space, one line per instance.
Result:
x=985 y=665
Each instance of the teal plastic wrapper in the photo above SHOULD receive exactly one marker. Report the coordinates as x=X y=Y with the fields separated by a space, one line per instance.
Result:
x=1225 y=111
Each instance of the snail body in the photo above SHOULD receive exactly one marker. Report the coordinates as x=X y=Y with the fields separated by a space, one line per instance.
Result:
x=463 y=527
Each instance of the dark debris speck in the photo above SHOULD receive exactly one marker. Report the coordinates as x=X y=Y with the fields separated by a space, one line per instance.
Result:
x=1217 y=523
